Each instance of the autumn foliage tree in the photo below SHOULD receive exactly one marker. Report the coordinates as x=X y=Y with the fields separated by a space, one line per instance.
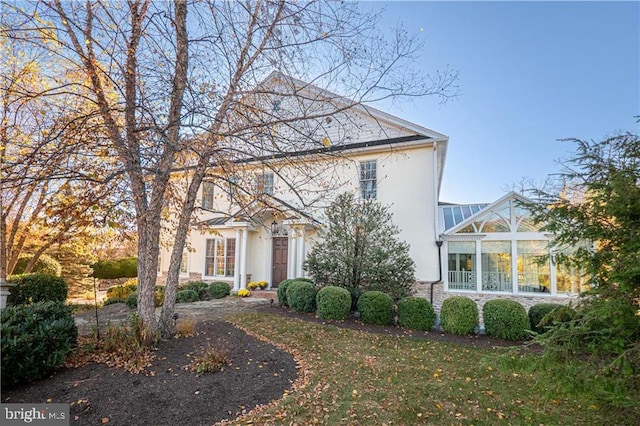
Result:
x=177 y=89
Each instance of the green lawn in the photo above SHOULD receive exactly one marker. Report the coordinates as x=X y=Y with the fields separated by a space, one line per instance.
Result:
x=351 y=377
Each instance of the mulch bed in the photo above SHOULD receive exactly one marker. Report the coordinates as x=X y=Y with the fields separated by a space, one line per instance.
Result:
x=166 y=393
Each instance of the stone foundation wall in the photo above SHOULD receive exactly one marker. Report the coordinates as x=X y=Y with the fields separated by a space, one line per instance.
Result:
x=423 y=289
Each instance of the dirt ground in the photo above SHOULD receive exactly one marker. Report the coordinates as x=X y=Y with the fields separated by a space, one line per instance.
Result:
x=169 y=394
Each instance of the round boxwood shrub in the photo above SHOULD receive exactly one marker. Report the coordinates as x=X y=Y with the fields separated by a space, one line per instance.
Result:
x=199 y=287
x=561 y=314
x=333 y=303
x=416 y=313
x=44 y=265
x=505 y=319
x=282 y=292
x=108 y=302
x=132 y=298
x=301 y=296
x=375 y=307
x=459 y=315
x=219 y=289
x=186 y=296
x=35 y=340
x=33 y=288
x=539 y=311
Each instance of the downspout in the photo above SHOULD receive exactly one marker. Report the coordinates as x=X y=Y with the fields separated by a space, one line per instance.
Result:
x=432 y=283
x=435 y=217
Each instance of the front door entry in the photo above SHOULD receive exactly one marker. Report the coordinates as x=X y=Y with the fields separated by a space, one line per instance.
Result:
x=280 y=254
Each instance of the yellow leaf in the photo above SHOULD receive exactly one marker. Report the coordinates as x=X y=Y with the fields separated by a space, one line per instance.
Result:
x=105 y=420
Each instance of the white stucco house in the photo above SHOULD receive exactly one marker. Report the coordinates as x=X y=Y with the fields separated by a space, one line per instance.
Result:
x=482 y=251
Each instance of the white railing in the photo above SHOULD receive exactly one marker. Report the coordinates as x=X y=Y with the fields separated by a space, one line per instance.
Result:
x=496 y=281
x=462 y=280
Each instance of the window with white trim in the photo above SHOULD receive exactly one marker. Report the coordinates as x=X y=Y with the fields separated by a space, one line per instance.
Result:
x=368 y=180
x=264 y=183
x=207 y=195
x=220 y=257
x=183 y=263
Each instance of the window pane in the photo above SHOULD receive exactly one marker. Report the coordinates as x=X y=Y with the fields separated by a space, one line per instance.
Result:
x=220 y=257
x=183 y=263
x=207 y=195
x=448 y=218
x=496 y=266
x=368 y=179
x=231 y=256
x=533 y=268
x=570 y=279
x=209 y=264
x=462 y=265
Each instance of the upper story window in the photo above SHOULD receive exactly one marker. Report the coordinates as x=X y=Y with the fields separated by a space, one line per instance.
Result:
x=264 y=183
x=368 y=179
x=207 y=195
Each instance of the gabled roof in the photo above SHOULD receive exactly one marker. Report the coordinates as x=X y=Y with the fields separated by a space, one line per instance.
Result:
x=489 y=208
x=314 y=92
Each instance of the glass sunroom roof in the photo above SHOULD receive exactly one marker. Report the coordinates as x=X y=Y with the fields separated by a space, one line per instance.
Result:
x=451 y=215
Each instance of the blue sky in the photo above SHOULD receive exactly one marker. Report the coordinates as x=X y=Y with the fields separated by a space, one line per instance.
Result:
x=529 y=73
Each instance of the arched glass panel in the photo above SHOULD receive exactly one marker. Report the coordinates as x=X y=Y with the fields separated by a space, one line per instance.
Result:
x=524 y=221
x=499 y=221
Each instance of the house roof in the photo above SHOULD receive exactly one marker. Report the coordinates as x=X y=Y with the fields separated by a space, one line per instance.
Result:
x=488 y=207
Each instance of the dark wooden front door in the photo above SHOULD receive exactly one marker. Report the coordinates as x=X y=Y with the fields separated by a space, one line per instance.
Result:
x=280 y=254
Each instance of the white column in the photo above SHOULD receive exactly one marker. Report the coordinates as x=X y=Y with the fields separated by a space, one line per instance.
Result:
x=269 y=259
x=236 y=269
x=291 y=261
x=301 y=254
x=243 y=260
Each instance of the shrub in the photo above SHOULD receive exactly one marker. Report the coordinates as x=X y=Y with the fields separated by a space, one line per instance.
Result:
x=33 y=288
x=186 y=296
x=200 y=287
x=108 y=302
x=459 y=315
x=333 y=303
x=416 y=313
x=35 y=340
x=301 y=296
x=282 y=292
x=219 y=289
x=539 y=311
x=375 y=307
x=560 y=315
x=121 y=291
x=132 y=300
x=120 y=268
x=44 y=265
x=505 y=319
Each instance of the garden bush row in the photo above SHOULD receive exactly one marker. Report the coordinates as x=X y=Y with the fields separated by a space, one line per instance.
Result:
x=503 y=318
x=192 y=291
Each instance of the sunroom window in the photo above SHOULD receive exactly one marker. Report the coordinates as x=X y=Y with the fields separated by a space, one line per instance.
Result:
x=496 y=266
x=462 y=265
x=533 y=267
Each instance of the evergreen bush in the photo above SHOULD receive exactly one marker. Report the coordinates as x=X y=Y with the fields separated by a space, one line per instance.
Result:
x=132 y=300
x=219 y=289
x=459 y=315
x=282 y=292
x=35 y=340
x=375 y=307
x=33 y=288
x=333 y=303
x=505 y=319
x=301 y=296
x=539 y=311
x=186 y=296
x=416 y=313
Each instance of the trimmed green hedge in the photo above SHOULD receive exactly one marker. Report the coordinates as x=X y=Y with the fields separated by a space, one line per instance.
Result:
x=375 y=307
x=333 y=303
x=35 y=340
x=187 y=296
x=282 y=292
x=539 y=311
x=301 y=296
x=33 y=288
x=121 y=268
x=219 y=289
x=416 y=313
x=505 y=319
x=459 y=315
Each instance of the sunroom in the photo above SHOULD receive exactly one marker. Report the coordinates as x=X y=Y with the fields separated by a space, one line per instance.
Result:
x=500 y=250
